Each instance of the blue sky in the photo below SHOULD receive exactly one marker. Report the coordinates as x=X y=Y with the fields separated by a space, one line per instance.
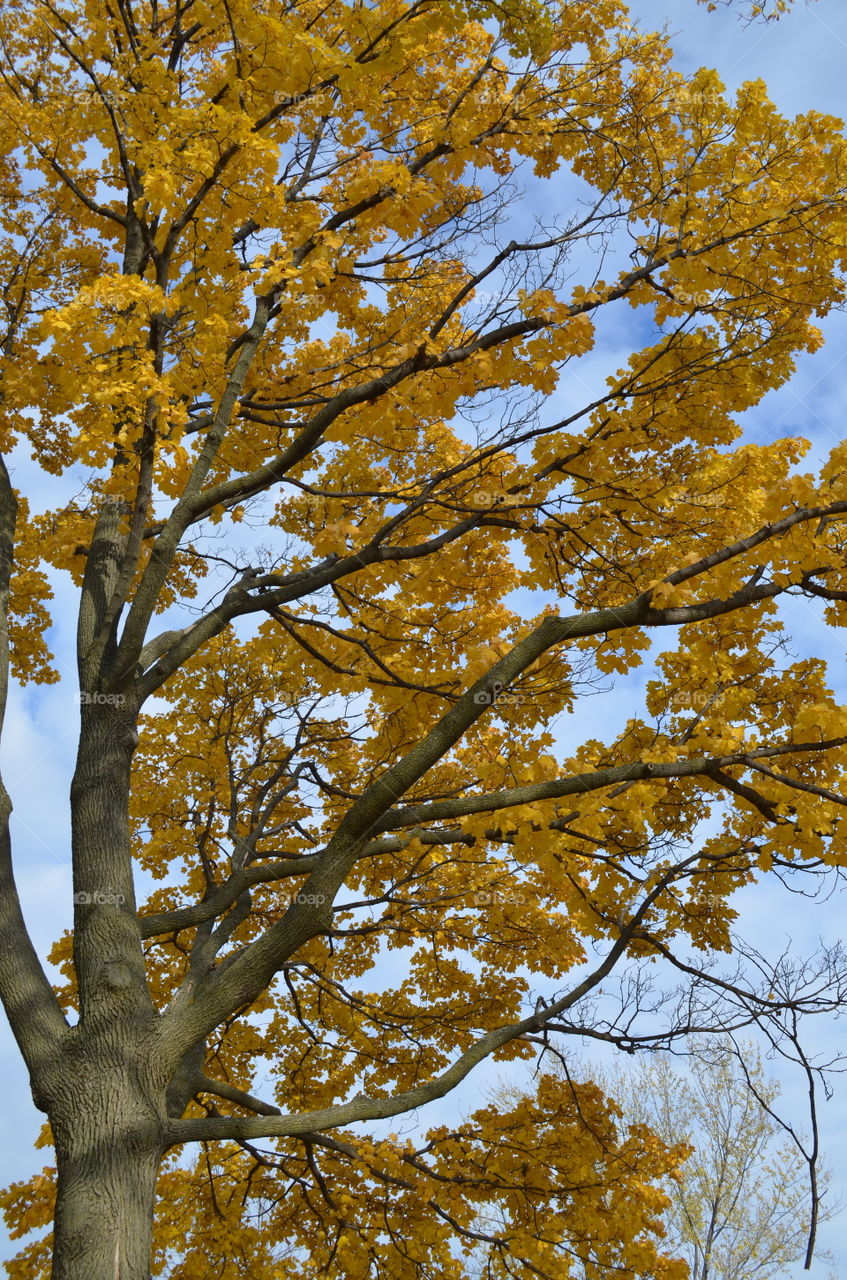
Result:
x=802 y=59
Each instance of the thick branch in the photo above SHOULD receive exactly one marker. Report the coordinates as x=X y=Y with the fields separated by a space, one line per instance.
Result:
x=167 y=543
x=245 y=486
x=274 y=591
x=167 y=922
x=362 y=1108
x=31 y=1006
x=577 y=784
x=96 y=612
x=221 y=1089
x=199 y=1009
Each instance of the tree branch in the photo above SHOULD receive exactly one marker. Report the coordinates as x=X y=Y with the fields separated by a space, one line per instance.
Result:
x=31 y=1006
x=223 y=1090
x=362 y=1108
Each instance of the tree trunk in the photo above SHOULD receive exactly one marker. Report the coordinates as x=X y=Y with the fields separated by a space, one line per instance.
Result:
x=105 y=1094
x=108 y=1138
x=104 y=1215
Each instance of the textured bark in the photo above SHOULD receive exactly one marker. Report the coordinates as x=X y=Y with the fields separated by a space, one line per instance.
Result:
x=107 y=941
x=107 y=1118
x=106 y=1093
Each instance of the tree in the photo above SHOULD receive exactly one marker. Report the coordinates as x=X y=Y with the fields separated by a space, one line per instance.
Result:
x=739 y=1205
x=275 y=313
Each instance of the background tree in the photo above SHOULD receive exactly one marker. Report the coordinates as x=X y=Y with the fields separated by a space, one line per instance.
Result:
x=740 y=1203
x=274 y=311
x=770 y=10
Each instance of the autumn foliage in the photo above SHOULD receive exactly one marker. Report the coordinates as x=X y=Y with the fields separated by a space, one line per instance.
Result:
x=358 y=516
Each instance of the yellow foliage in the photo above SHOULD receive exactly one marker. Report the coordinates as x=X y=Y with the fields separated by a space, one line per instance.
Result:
x=266 y=326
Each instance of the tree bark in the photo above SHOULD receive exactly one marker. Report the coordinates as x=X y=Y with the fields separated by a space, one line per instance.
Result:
x=108 y=1125
x=105 y=1093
